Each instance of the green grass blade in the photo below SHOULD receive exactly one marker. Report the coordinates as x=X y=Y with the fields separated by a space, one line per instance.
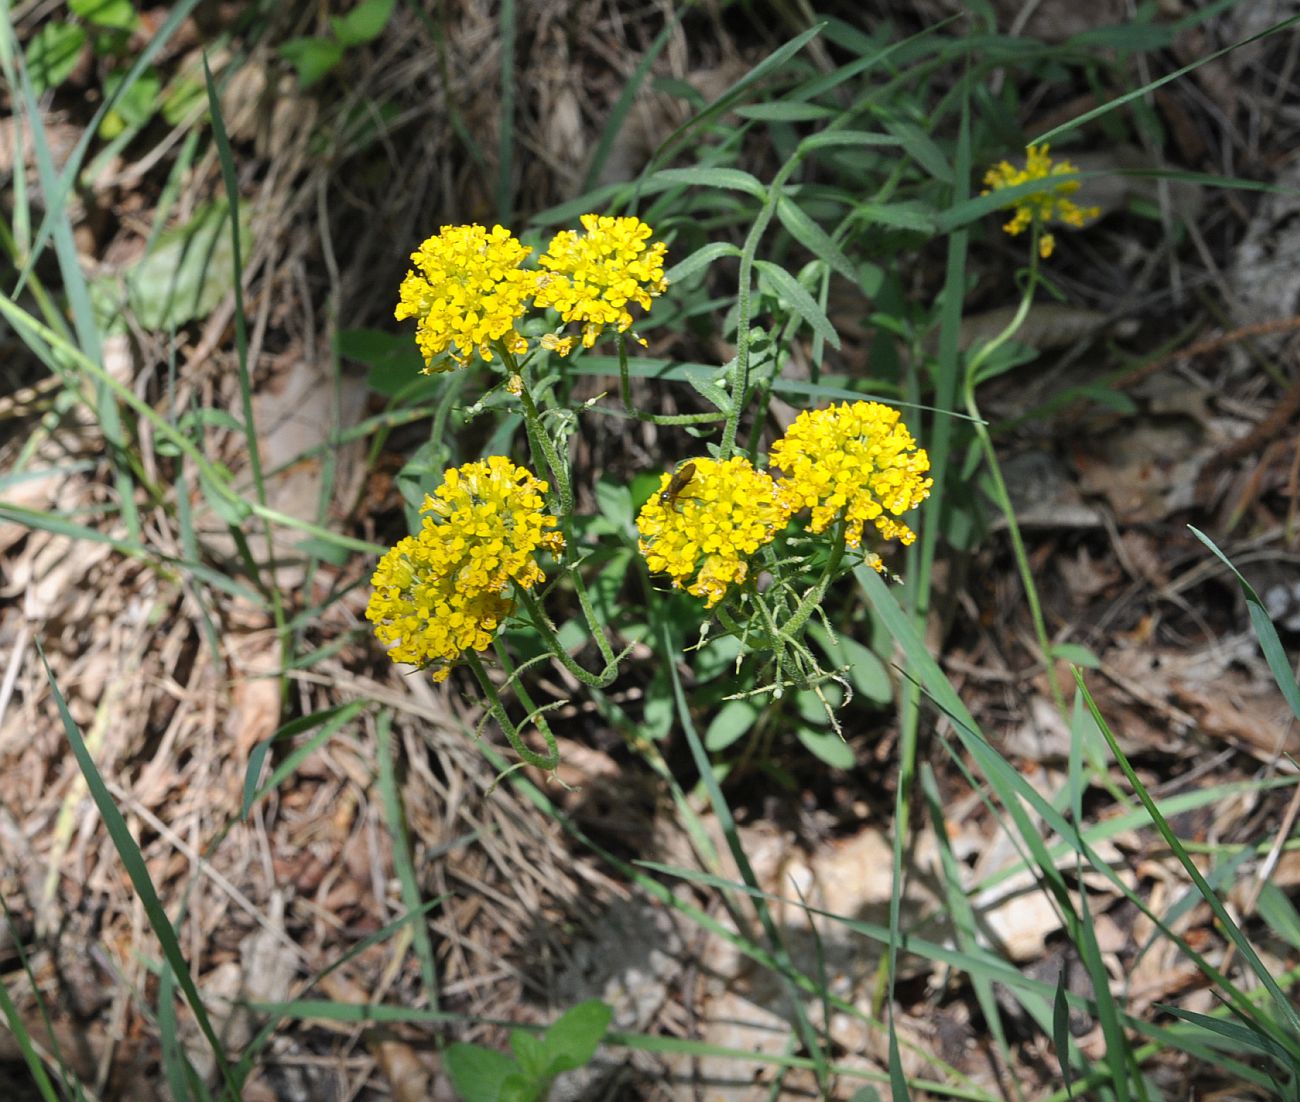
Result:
x=1151 y=86
x=1265 y=631
x=627 y=97
x=330 y=721
x=402 y=861
x=133 y=863
x=1290 y=1039
x=23 y=1039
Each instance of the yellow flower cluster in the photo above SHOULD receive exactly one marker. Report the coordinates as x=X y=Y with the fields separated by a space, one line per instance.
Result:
x=706 y=526
x=855 y=461
x=1044 y=206
x=590 y=278
x=470 y=290
x=445 y=590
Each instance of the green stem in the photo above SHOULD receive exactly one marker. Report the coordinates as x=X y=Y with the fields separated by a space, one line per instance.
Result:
x=552 y=641
x=593 y=624
x=814 y=596
x=1000 y=493
x=538 y=438
x=625 y=393
x=498 y=710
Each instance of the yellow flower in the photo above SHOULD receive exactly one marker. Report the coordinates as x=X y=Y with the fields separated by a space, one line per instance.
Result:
x=591 y=278
x=710 y=523
x=469 y=292
x=1044 y=206
x=854 y=461
x=445 y=590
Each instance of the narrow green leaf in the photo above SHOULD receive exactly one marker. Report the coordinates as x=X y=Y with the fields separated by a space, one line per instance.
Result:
x=799 y=300
x=922 y=149
x=728 y=179
x=329 y=720
x=699 y=259
x=813 y=238
x=138 y=872
x=1146 y=89
x=1265 y=632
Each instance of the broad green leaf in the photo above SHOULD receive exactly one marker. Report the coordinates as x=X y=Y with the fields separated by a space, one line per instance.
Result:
x=134 y=107
x=364 y=23
x=733 y=720
x=796 y=296
x=313 y=58
x=573 y=1039
x=902 y=216
x=52 y=54
x=477 y=1073
x=865 y=670
x=118 y=14
x=189 y=272
x=826 y=746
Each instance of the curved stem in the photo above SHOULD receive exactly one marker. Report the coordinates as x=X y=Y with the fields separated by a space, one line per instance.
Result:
x=498 y=710
x=625 y=393
x=1000 y=493
x=814 y=596
x=538 y=438
x=552 y=641
x=588 y=611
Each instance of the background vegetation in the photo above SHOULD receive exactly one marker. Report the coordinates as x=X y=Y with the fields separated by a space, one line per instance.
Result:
x=1041 y=848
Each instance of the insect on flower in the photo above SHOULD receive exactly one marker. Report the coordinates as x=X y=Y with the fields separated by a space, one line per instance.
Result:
x=680 y=480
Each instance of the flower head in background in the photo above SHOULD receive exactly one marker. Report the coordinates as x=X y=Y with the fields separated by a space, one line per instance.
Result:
x=445 y=590
x=591 y=277
x=1050 y=204
x=706 y=526
x=468 y=291
x=855 y=460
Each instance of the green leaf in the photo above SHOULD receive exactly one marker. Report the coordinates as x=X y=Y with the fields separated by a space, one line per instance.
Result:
x=138 y=872
x=785 y=111
x=1265 y=632
x=312 y=57
x=813 y=238
x=799 y=300
x=118 y=14
x=734 y=719
x=699 y=259
x=902 y=216
x=728 y=179
x=1076 y=655
x=136 y=105
x=52 y=54
x=477 y=1073
x=188 y=273
x=865 y=671
x=573 y=1039
x=530 y=1052
x=183 y=95
x=921 y=148
x=394 y=359
x=364 y=23
x=827 y=746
